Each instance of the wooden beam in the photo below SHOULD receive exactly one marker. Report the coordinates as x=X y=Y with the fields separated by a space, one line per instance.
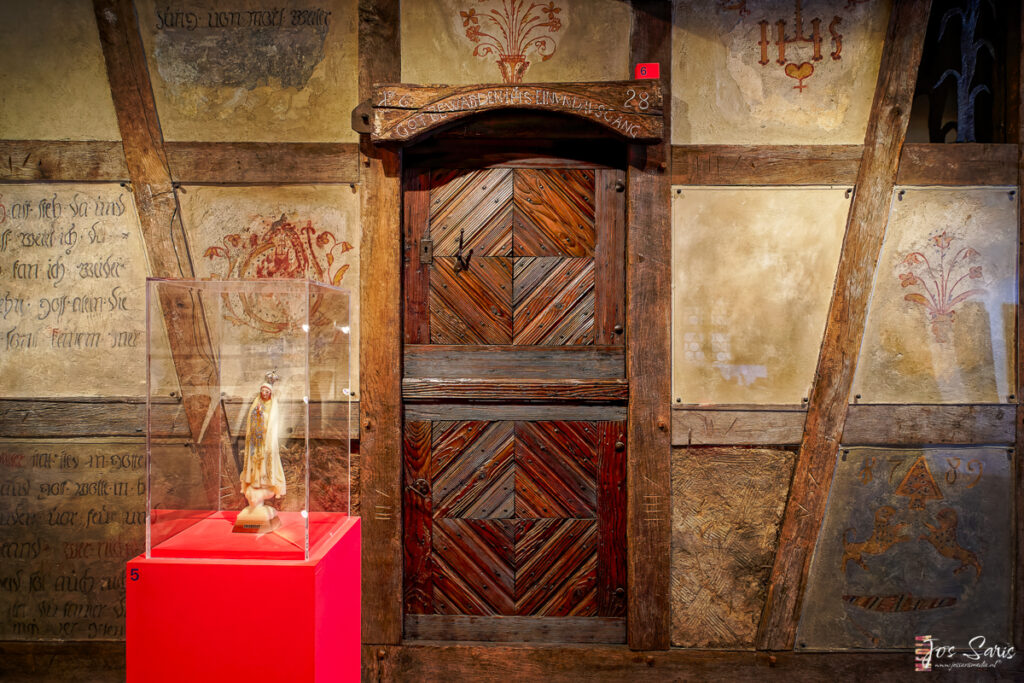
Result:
x=515 y=629
x=1018 y=470
x=400 y=113
x=648 y=349
x=959 y=164
x=164 y=236
x=43 y=160
x=499 y=663
x=866 y=425
x=262 y=162
x=844 y=330
x=920 y=164
x=380 y=350
x=765 y=164
x=586 y=390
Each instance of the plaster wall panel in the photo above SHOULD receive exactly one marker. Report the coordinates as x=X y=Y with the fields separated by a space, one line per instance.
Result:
x=258 y=70
x=752 y=276
x=726 y=507
x=459 y=42
x=914 y=542
x=940 y=325
x=73 y=512
x=53 y=80
x=275 y=232
x=735 y=81
x=73 y=293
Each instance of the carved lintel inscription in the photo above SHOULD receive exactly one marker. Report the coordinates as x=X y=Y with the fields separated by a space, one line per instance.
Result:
x=631 y=109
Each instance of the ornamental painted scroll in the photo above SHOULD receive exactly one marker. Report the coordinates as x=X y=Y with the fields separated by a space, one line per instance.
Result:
x=277 y=249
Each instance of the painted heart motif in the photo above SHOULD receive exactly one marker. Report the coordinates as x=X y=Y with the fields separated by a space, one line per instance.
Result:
x=799 y=71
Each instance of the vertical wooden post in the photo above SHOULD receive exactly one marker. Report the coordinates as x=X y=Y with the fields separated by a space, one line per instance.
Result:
x=164 y=236
x=844 y=330
x=648 y=292
x=380 y=409
x=1017 y=128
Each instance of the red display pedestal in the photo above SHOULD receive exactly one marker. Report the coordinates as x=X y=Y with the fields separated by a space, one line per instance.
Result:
x=202 y=619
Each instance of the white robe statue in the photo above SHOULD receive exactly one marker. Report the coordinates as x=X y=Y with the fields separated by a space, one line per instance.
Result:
x=262 y=474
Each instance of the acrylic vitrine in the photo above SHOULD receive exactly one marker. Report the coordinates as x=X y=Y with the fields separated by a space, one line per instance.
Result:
x=247 y=417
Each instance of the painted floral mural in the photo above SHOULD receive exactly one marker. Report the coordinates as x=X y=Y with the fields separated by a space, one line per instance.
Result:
x=510 y=30
x=944 y=277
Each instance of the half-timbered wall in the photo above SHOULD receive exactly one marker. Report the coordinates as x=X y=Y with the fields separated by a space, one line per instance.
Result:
x=795 y=423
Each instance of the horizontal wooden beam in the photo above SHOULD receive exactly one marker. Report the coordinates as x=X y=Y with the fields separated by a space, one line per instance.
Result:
x=513 y=411
x=262 y=162
x=519 y=362
x=739 y=425
x=866 y=425
x=765 y=164
x=958 y=164
x=436 y=389
x=552 y=664
x=516 y=629
x=920 y=164
x=126 y=416
x=45 y=160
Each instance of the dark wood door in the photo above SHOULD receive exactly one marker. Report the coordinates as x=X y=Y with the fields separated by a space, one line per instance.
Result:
x=514 y=451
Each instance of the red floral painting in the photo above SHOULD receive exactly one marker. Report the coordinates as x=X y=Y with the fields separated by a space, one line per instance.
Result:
x=277 y=249
x=511 y=29
x=944 y=277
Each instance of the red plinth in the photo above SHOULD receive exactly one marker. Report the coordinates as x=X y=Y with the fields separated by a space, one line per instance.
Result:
x=201 y=619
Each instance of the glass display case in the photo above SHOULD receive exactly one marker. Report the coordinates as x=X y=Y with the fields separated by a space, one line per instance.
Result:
x=252 y=377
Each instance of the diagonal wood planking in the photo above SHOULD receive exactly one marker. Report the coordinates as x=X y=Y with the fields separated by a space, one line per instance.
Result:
x=553 y=301
x=155 y=199
x=556 y=567
x=476 y=205
x=417 y=516
x=554 y=212
x=471 y=471
x=474 y=566
x=556 y=469
x=844 y=330
x=471 y=306
x=648 y=348
x=380 y=357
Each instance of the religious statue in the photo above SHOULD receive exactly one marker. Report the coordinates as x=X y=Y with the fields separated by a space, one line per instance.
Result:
x=262 y=474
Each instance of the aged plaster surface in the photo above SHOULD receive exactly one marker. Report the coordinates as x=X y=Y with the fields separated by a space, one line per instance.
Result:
x=726 y=508
x=73 y=512
x=752 y=276
x=940 y=324
x=254 y=71
x=53 y=81
x=590 y=43
x=72 y=293
x=271 y=233
x=915 y=542
x=734 y=83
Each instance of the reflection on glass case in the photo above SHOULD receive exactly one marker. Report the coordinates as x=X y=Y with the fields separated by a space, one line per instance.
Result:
x=263 y=406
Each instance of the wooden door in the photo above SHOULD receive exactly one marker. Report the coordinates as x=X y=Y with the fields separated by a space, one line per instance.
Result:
x=514 y=389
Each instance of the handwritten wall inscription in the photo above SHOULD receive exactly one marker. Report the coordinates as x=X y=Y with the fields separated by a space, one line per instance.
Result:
x=71 y=514
x=72 y=277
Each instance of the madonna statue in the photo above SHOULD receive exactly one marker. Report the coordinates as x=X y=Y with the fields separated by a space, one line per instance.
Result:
x=262 y=474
